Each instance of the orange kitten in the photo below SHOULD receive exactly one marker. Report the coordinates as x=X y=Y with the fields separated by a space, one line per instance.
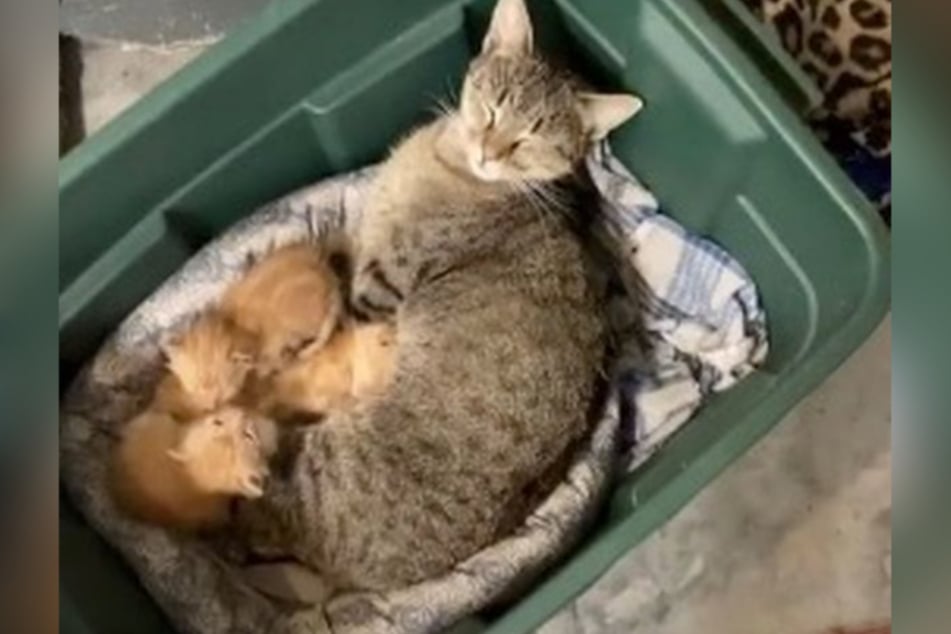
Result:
x=288 y=300
x=207 y=367
x=357 y=363
x=183 y=475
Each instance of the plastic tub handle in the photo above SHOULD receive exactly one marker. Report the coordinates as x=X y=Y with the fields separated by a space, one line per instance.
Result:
x=766 y=51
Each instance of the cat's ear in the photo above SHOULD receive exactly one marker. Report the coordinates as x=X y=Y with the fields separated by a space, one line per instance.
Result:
x=510 y=32
x=602 y=113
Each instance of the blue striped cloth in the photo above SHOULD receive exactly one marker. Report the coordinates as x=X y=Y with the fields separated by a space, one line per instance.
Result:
x=698 y=311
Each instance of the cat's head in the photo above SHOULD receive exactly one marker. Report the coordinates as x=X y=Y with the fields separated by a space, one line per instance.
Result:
x=519 y=118
x=226 y=452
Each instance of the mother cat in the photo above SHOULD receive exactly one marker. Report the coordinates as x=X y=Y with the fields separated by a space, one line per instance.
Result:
x=500 y=342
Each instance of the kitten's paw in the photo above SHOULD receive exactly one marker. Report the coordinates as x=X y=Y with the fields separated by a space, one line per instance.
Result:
x=266 y=430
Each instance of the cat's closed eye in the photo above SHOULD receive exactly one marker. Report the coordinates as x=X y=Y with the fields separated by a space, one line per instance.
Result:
x=490 y=117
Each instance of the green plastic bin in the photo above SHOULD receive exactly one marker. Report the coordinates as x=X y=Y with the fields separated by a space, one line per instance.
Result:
x=314 y=87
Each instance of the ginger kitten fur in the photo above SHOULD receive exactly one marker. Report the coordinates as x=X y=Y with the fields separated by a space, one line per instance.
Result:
x=206 y=367
x=356 y=364
x=184 y=475
x=288 y=300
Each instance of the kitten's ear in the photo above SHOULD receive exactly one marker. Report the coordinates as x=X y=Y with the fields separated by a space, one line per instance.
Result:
x=177 y=455
x=252 y=486
x=602 y=113
x=169 y=349
x=510 y=32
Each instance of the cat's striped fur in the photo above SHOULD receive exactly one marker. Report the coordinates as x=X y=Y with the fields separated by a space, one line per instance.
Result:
x=500 y=344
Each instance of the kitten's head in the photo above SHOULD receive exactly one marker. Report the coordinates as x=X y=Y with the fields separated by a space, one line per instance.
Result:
x=522 y=120
x=211 y=360
x=225 y=452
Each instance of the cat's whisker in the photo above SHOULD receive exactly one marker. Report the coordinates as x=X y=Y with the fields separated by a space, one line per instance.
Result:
x=552 y=196
x=440 y=108
x=451 y=91
x=441 y=105
x=539 y=199
x=534 y=201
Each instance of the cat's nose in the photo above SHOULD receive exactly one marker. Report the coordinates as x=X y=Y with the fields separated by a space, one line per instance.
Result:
x=493 y=152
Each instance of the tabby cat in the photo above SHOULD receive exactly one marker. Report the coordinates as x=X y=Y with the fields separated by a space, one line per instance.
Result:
x=500 y=338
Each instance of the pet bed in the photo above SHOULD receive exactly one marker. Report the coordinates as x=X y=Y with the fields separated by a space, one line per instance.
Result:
x=696 y=329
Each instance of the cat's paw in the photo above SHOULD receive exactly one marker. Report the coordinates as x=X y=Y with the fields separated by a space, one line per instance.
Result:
x=375 y=294
x=309 y=621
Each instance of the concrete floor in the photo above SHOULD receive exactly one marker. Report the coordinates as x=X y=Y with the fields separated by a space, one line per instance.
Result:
x=794 y=539
x=117 y=74
x=155 y=21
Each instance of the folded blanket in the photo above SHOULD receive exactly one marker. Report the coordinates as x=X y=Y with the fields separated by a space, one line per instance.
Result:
x=698 y=314
x=704 y=326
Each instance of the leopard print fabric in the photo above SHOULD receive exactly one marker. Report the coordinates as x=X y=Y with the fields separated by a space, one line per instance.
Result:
x=846 y=46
